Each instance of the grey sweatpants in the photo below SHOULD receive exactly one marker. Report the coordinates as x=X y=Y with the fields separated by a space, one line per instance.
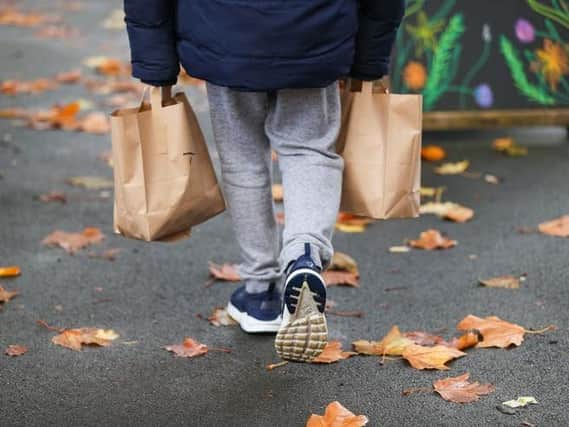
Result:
x=301 y=125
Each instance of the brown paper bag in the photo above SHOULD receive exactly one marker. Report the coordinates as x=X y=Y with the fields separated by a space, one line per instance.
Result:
x=164 y=179
x=380 y=141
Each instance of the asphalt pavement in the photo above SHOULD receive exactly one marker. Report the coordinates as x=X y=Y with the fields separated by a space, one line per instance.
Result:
x=151 y=293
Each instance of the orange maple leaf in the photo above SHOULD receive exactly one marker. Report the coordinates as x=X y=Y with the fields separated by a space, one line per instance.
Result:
x=459 y=390
x=337 y=415
x=188 y=348
x=225 y=272
x=421 y=357
x=393 y=344
x=72 y=242
x=495 y=331
x=558 y=227
x=432 y=239
x=74 y=339
x=333 y=353
x=6 y=296
x=16 y=350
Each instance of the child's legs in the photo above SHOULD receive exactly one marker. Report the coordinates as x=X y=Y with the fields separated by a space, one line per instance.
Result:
x=303 y=125
x=238 y=125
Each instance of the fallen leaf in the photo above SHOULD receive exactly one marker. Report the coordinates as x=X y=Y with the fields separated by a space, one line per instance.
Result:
x=337 y=415
x=393 y=344
x=278 y=194
x=459 y=390
x=460 y=214
x=90 y=182
x=432 y=239
x=21 y=19
x=220 y=317
x=333 y=353
x=467 y=340
x=109 y=254
x=433 y=153
x=349 y=223
x=72 y=242
x=6 y=295
x=189 y=348
x=108 y=66
x=425 y=338
x=432 y=191
x=53 y=196
x=11 y=271
x=520 y=402
x=421 y=357
x=399 y=249
x=57 y=32
x=501 y=144
x=449 y=210
x=13 y=113
x=58 y=117
x=492 y=179
x=96 y=123
x=74 y=339
x=452 y=168
x=495 y=331
x=16 y=350
x=16 y=87
x=69 y=77
x=341 y=278
x=558 y=227
x=343 y=262
x=225 y=272
x=506 y=282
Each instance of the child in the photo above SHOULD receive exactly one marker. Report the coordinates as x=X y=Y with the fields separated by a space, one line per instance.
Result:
x=272 y=70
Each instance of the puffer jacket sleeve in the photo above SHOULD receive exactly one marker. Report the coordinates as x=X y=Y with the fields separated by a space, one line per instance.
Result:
x=152 y=34
x=378 y=24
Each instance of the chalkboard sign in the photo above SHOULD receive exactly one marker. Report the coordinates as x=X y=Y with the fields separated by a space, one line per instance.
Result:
x=490 y=59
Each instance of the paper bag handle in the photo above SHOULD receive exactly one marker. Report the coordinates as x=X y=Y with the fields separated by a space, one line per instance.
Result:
x=365 y=86
x=158 y=95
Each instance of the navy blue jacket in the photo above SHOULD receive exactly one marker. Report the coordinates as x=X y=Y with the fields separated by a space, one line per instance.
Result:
x=260 y=45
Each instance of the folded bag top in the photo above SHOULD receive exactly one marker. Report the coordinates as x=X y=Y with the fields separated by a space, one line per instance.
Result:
x=164 y=178
x=380 y=142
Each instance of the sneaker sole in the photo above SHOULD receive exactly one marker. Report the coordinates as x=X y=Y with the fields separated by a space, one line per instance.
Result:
x=305 y=335
x=251 y=325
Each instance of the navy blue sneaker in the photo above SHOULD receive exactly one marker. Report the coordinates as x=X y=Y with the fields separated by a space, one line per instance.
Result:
x=303 y=333
x=256 y=312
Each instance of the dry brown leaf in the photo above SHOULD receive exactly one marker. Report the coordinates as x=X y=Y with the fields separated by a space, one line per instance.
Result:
x=459 y=390
x=425 y=338
x=333 y=353
x=109 y=67
x=96 y=123
x=189 y=348
x=58 y=117
x=452 y=168
x=220 y=317
x=349 y=223
x=21 y=19
x=16 y=87
x=225 y=272
x=459 y=214
x=343 y=262
x=11 y=271
x=468 y=339
x=421 y=357
x=433 y=153
x=278 y=194
x=13 y=113
x=341 y=278
x=69 y=77
x=558 y=227
x=501 y=144
x=432 y=239
x=506 y=282
x=6 y=295
x=393 y=344
x=53 y=196
x=337 y=415
x=74 y=339
x=72 y=242
x=16 y=350
x=509 y=147
x=91 y=182
x=399 y=249
x=109 y=254
x=495 y=331
x=492 y=179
